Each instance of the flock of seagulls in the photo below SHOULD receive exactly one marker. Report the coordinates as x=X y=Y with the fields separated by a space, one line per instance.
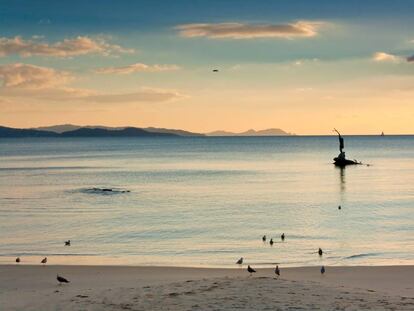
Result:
x=277 y=270
x=59 y=278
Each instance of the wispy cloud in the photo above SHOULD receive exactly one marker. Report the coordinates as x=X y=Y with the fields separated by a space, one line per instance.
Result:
x=41 y=83
x=385 y=57
x=32 y=77
x=67 y=48
x=138 y=67
x=300 y=29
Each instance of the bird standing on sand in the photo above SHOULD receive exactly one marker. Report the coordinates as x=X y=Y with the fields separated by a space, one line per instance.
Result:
x=282 y=236
x=271 y=242
x=323 y=270
x=320 y=252
x=18 y=259
x=61 y=279
x=277 y=271
x=44 y=260
x=67 y=243
x=250 y=270
x=339 y=207
x=240 y=261
x=264 y=238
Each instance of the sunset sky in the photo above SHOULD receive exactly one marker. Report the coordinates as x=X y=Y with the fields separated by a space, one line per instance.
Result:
x=303 y=66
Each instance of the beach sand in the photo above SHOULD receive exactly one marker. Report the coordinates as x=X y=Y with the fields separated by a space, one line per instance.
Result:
x=28 y=287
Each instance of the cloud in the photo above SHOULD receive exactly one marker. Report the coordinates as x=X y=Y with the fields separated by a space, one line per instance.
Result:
x=138 y=67
x=300 y=29
x=41 y=83
x=143 y=95
x=385 y=57
x=32 y=77
x=67 y=48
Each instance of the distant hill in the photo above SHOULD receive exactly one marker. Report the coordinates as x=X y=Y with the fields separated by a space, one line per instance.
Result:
x=126 y=132
x=13 y=133
x=70 y=127
x=251 y=132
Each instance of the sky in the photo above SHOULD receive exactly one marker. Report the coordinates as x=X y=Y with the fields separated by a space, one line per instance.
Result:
x=302 y=66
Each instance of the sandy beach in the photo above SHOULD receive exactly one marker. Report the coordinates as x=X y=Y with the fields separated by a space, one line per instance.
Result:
x=30 y=287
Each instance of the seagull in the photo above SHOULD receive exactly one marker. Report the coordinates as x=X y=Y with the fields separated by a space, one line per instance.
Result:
x=240 y=261
x=323 y=270
x=264 y=238
x=250 y=270
x=320 y=252
x=271 y=242
x=18 y=259
x=61 y=279
x=339 y=207
x=44 y=260
x=282 y=236
x=215 y=70
x=277 y=271
x=67 y=243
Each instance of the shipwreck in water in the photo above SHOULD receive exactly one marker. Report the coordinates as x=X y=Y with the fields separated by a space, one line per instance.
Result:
x=341 y=160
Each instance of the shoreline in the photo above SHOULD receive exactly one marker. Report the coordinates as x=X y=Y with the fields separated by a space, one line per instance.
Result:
x=34 y=287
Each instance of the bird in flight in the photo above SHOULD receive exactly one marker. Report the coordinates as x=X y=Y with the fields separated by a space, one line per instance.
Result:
x=67 y=243
x=61 y=279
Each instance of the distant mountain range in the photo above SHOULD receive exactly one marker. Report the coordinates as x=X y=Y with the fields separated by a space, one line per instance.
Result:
x=70 y=130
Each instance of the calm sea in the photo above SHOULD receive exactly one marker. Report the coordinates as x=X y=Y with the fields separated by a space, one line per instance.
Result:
x=207 y=201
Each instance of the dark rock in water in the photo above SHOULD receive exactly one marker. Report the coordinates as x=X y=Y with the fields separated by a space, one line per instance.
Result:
x=106 y=190
x=342 y=162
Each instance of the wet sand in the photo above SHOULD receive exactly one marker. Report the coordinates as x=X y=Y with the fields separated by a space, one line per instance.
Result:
x=28 y=287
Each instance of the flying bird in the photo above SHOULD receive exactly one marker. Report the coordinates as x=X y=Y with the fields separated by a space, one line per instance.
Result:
x=67 y=243
x=44 y=260
x=282 y=236
x=323 y=270
x=271 y=242
x=61 y=279
x=264 y=238
x=18 y=259
x=320 y=252
x=277 y=271
x=240 y=261
x=250 y=270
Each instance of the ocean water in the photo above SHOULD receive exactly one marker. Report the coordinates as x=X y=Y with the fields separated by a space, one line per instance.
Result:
x=207 y=201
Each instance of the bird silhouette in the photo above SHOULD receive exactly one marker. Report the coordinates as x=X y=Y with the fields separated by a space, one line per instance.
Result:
x=320 y=252
x=215 y=70
x=339 y=207
x=44 y=260
x=67 y=243
x=271 y=242
x=240 y=261
x=250 y=270
x=282 y=236
x=277 y=271
x=18 y=259
x=264 y=238
x=323 y=270
x=61 y=279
